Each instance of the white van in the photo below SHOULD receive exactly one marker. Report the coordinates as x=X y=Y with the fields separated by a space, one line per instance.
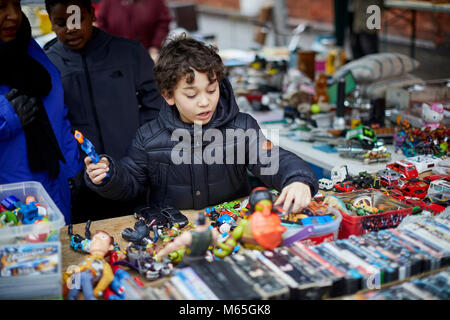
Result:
x=325 y=184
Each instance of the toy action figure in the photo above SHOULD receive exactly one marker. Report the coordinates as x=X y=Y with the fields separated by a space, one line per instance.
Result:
x=94 y=270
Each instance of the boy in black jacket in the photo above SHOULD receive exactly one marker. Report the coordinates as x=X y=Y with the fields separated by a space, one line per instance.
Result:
x=188 y=157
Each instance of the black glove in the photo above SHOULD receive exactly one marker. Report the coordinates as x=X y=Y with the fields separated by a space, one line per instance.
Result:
x=24 y=106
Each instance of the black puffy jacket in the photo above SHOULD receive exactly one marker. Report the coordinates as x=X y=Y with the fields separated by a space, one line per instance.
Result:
x=148 y=166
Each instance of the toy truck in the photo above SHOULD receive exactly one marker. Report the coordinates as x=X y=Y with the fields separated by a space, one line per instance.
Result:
x=339 y=174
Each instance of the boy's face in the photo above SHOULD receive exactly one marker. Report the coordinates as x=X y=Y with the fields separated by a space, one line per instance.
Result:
x=10 y=19
x=76 y=38
x=196 y=101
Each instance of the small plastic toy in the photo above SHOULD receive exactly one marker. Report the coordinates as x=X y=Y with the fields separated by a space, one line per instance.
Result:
x=77 y=242
x=432 y=114
x=344 y=187
x=149 y=267
x=87 y=147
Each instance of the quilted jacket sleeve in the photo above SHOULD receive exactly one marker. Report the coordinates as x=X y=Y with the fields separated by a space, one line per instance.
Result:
x=275 y=166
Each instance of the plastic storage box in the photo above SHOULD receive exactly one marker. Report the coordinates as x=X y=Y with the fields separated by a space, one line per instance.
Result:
x=359 y=225
x=30 y=255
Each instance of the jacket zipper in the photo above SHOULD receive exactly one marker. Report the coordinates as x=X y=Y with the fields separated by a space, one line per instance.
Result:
x=91 y=97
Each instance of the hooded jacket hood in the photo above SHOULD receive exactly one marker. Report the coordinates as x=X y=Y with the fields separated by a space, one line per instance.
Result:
x=227 y=109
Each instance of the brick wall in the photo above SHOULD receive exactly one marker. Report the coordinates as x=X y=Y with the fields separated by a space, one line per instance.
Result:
x=429 y=25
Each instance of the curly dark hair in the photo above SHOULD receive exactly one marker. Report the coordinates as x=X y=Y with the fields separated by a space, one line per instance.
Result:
x=181 y=54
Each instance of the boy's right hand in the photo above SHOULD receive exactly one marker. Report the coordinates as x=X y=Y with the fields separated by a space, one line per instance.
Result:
x=96 y=171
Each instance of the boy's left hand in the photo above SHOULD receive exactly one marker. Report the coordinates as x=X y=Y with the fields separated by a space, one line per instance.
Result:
x=297 y=193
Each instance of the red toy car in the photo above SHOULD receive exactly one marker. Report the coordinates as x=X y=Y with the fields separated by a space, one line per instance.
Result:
x=429 y=179
x=406 y=169
x=388 y=182
x=414 y=188
x=344 y=187
x=395 y=193
x=433 y=207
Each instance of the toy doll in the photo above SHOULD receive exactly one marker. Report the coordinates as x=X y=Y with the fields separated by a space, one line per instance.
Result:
x=432 y=114
x=94 y=270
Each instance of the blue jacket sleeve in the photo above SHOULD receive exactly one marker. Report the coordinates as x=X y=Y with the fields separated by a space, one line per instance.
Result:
x=9 y=121
x=70 y=147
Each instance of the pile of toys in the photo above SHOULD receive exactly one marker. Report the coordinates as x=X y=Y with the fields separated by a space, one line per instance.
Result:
x=413 y=141
x=14 y=212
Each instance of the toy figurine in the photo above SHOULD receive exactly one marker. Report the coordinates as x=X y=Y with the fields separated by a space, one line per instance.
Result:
x=195 y=242
x=261 y=230
x=77 y=242
x=321 y=95
x=432 y=115
x=94 y=270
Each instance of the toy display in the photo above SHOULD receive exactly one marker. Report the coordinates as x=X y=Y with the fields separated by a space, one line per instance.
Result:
x=430 y=140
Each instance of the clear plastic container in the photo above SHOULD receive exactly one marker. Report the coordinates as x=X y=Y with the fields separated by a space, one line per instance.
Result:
x=24 y=233
x=30 y=255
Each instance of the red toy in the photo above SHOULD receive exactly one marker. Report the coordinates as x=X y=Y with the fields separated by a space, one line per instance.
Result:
x=414 y=188
x=395 y=193
x=344 y=187
x=429 y=179
x=406 y=169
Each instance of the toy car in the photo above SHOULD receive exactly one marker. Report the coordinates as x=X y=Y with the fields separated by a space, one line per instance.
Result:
x=414 y=189
x=388 y=172
x=429 y=179
x=344 y=187
x=363 y=135
x=325 y=184
x=433 y=208
x=442 y=167
x=423 y=162
x=406 y=169
x=395 y=193
x=388 y=182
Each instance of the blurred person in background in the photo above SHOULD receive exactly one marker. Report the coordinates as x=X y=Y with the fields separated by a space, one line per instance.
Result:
x=36 y=142
x=146 y=21
x=363 y=40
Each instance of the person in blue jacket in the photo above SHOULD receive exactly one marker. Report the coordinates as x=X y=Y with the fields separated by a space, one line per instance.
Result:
x=36 y=142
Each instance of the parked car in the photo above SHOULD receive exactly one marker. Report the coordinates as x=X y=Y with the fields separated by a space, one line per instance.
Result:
x=344 y=187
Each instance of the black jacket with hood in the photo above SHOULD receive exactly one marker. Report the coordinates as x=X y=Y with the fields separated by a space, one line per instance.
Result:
x=109 y=88
x=148 y=167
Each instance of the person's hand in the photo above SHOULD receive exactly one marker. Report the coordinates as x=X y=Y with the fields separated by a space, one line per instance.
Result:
x=24 y=106
x=296 y=193
x=154 y=53
x=96 y=171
